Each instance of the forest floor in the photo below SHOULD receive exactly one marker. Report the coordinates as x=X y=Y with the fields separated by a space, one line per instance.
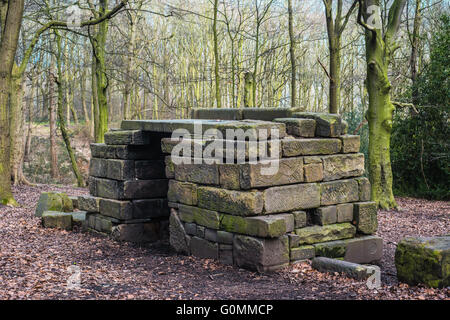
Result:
x=34 y=262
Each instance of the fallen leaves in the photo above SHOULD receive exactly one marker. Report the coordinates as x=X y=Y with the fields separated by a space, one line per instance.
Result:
x=34 y=262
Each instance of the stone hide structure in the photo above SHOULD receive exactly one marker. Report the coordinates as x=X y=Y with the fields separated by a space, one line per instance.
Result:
x=316 y=204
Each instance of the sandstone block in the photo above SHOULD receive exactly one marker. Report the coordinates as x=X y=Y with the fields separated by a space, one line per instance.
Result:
x=298 y=127
x=260 y=254
x=59 y=220
x=291 y=198
x=178 y=238
x=300 y=147
x=341 y=191
x=52 y=201
x=150 y=169
x=313 y=172
x=302 y=253
x=316 y=234
x=424 y=260
x=243 y=203
x=270 y=226
x=182 y=192
x=365 y=215
x=344 y=212
x=350 y=143
x=342 y=166
x=325 y=215
x=88 y=203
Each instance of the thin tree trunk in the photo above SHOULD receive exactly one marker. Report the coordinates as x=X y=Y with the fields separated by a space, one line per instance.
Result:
x=62 y=122
x=216 y=56
x=292 y=56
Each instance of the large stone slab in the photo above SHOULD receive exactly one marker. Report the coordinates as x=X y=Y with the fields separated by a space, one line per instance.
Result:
x=217 y=113
x=182 y=192
x=424 y=260
x=299 y=127
x=302 y=147
x=350 y=269
x=286 y=171
x=366 y=249
x=342 y=166
x=88 y=203
x=254 y=129
x=197 y=173
x=269 y=226
x=112 y=168
x=150 y=169
x=125 y=152
x=127 y=137
x=52 y=201
x=266 y=114
x=327 y=125
x=340 y=191
x=207 y=218
x=55 y=219
x=132 y=189
x=260 y=254
x=316 y=234
x=365 y=216
x=241 y=203
x=291 y=198
x=121 y=210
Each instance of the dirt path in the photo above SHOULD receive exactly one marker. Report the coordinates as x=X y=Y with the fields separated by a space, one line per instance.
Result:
x=34 y=262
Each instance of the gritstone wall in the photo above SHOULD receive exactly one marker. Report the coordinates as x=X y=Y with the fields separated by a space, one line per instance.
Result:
x=317 y=202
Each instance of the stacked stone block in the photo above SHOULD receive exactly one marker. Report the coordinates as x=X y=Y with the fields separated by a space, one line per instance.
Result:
x=128 y=187
x=318 y=203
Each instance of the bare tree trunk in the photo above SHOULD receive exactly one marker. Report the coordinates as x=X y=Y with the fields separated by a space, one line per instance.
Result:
x=292 y=57
x=11 y=21
x=52 y=122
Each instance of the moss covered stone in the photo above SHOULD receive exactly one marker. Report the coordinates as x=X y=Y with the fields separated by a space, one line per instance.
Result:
x=59 y=220
x=316 y=234
x=207 y=218
x=270 y=226
x=241 y=203
x=302 y=253
x=424 y=261
x=51 y=201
